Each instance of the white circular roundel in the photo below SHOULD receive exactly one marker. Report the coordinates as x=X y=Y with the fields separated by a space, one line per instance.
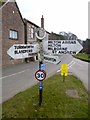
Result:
x=40 y=75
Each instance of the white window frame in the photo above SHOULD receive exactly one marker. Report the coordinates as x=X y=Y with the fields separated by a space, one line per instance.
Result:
x=13 y=34
x=32 y=32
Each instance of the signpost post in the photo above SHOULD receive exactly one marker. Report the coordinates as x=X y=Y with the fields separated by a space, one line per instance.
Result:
x=40 y=37
x=40 y=75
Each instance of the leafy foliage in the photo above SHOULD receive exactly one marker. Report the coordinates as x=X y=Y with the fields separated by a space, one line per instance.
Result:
x=86 y=45
x=54 y=36
x=83 y=56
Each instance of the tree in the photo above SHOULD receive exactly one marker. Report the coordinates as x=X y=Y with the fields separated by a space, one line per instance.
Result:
x=68 y=36
x=54 y=36
x=87 y=46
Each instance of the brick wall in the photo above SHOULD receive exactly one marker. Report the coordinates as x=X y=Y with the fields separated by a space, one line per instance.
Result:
x=11 y=19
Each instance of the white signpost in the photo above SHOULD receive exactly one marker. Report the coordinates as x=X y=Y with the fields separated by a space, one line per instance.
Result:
x=20 y=51
x=59 y=47
x=52 y=59
x=52 y=49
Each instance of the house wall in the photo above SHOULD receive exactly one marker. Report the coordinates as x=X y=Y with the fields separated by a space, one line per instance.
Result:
x=31 y=33
x=11 y=19
x=30 y=37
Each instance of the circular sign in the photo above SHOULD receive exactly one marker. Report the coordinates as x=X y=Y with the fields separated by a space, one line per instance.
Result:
x=42 y=32
x=40 y=75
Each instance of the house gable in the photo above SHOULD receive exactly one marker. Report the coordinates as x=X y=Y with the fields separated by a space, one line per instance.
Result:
x=12 y=30
x=3 y=4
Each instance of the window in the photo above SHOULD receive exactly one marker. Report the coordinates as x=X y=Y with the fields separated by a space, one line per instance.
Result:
x=32 y=33
x=13 y=34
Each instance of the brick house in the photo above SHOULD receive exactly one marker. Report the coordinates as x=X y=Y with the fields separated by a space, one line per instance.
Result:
x=13 y=32
x=16 y=30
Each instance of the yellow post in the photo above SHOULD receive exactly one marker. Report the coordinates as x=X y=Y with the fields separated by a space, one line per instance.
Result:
x=64 y=70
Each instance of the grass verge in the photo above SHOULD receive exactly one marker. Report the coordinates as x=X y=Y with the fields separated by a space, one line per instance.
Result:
x=83 y=56
x=56 y=104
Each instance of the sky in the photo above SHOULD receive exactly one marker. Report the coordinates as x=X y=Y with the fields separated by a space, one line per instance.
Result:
x=59 y=15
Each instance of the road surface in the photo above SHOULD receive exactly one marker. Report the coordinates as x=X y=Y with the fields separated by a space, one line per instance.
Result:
x=20 y=77
x=80 y=69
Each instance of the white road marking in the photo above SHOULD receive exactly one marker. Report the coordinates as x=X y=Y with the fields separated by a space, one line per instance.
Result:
x=71 y=62
x=69 y=65
x=14 y=74
x=58 y=70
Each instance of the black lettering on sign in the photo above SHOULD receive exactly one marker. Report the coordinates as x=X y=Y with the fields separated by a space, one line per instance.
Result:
x=61 y=52
x=23 y=46
x=38 y=75
x=50 y=48
x=69 y=42
x=22 y=51
x=30 y=51
x=15 y=47
x=66 y=52
x=50 y=59
x=60 y=48
x=54 y=51
x=49 y=41
x=74 y=52
x=42 y=75
x=15 y=52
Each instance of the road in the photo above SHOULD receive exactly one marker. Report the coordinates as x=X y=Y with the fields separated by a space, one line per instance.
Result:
x=80 y=69
x=20 y=77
